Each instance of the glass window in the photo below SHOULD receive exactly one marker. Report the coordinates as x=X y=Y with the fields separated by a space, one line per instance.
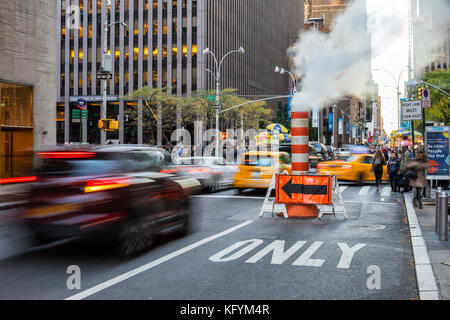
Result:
x=367 y=159
x=16 y=105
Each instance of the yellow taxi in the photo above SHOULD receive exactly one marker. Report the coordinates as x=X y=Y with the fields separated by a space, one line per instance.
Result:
x=356 y=167
x=257 y=169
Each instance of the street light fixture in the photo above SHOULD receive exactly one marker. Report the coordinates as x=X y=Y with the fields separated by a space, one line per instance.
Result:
x=218 y=66
x=283 y=71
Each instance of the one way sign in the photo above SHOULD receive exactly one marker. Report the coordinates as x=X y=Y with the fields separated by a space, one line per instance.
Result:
x=104 y=76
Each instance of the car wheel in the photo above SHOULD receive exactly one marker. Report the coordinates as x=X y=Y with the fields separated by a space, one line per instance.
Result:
x=133 y=238
x=185 y=224
x=240 y=191
x=41 y=240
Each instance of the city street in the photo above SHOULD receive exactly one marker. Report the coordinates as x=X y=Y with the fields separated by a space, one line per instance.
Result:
x=229 y=256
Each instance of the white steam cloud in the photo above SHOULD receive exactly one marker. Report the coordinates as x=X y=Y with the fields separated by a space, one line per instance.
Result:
x=335 y=64
x=431 y=30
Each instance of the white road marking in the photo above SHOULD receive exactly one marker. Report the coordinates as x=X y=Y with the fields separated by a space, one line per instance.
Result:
x=279 y=255
x=386 y=193
x=136 y=271
x=305 y=258
x=347 y=254
x=364 y=191
x=249 y=245
x=342 y=188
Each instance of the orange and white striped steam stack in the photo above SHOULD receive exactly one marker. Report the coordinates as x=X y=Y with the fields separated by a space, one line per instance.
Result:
x=300 y=142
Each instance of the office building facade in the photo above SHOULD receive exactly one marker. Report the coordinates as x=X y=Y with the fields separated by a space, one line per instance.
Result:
x=27 y=81
x=162 y=46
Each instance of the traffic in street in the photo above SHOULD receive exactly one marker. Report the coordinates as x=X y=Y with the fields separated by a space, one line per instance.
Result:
x=232 y=253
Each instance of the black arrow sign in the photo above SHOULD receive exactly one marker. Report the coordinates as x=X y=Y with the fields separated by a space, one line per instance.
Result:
x=291 y=189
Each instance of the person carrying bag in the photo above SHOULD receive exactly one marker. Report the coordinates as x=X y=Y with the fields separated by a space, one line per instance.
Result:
x=416 y=171
x=392 y=168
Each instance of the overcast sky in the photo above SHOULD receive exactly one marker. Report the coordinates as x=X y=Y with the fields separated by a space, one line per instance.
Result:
x=388 y=25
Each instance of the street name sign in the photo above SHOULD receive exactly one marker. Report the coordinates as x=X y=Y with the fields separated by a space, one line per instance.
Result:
x=211 y=97
x=216 y=107
x=411 y=110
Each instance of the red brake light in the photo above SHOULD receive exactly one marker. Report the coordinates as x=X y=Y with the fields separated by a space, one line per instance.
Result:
x=65 y=155
x=169 y=171
x=106 y=184
x=18 y=179
x=200 y=170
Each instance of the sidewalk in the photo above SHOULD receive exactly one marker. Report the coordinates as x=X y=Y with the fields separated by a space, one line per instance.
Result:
x=431 y=255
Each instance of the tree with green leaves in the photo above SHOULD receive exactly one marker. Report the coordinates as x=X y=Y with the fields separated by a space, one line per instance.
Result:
x=440 y=103
x=196 y=107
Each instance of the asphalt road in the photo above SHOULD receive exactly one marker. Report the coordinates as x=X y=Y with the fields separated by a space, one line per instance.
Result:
x=233 y=254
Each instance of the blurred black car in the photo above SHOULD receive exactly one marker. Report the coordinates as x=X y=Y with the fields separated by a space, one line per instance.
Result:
x=111 y=193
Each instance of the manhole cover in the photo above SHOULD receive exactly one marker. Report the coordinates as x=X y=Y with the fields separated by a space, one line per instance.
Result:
x=367 y=226
x=391 y=200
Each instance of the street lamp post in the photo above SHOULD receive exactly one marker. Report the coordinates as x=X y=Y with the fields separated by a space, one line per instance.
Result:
x=105 y=81
x=397 y=83
x=217 y=76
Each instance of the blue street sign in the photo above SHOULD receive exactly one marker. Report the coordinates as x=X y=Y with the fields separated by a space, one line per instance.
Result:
x=330 y=122
x=289 y=107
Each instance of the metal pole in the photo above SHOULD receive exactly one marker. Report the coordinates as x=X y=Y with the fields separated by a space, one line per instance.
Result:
x=437 y=209
x=105 y=82
x=443 y=216
x=217 y=111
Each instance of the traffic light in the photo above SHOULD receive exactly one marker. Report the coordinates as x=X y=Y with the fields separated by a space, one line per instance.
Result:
x=108 y=124
x=419 y=93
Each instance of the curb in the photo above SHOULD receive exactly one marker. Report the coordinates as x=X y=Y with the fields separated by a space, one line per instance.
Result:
x=426 y=281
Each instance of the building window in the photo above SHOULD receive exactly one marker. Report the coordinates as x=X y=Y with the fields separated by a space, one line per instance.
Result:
x=16 y=105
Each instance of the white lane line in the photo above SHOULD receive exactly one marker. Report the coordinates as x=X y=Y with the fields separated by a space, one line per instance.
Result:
x=145 y=267
x=386 y=193
x=342 y=188
x=364 y=191
x=228 y=197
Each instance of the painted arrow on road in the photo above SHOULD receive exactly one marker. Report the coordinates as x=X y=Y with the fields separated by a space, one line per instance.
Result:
x=289 y=188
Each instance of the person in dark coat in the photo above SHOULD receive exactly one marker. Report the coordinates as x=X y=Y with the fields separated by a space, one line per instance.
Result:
x=392 y=168
x=420 y=165
x=377 y=167
x=386 y=154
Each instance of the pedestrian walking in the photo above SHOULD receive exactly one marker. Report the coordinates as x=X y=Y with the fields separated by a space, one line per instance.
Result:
x=404 y=160
x=392 y=168
x=385 y=154
x=417 y=177
x=377 y=167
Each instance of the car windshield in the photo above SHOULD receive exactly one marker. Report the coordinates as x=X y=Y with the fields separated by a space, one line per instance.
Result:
x=260 y=161
x=102 y=163
x=352 y=158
